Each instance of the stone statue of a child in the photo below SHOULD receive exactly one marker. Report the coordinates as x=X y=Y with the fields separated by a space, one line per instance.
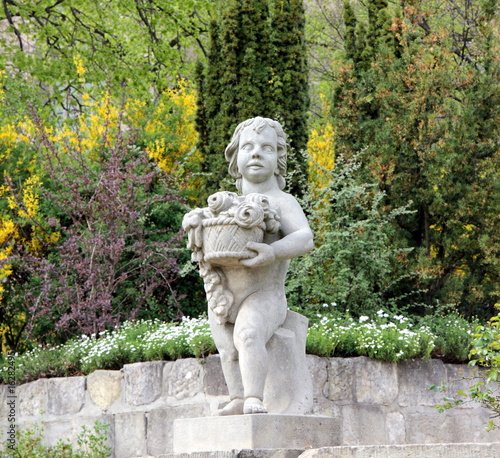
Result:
x=257 y=159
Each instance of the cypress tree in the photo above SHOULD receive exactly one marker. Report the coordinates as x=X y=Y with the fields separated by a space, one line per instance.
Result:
x=255 y=65
x=376 y=21
x=201 y=118
x=237 y=81
x=290 y=80
x=251 y=72
x=350 y=31
x=208 y=111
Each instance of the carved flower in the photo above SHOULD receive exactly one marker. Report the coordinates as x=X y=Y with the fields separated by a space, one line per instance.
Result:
x=249 y=214
x=260 y=199
x=221 y=201
x=273 y=222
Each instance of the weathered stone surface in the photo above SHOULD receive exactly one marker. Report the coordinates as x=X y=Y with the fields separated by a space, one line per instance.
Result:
x=326 y=408
x=69 y=429
x=460 y=377
x=270 y=453
x=340 y=379
x=376 y=382
x=260 y=453
x=415 y=377
x=160 y=434
x=56 y=430
x=318 y=369
x=363 y=424
x=254 y=432
x=104 y=387
x=185 y=379
x=395 y=427
x=66 y=395
x=143 y=382
x=213 y=381
x=130 y=434
x=3 y=402
x=407 y=451
x=425 y=426
x=33 y=398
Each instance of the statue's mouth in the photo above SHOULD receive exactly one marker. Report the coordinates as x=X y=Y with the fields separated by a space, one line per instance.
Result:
x=255 y=164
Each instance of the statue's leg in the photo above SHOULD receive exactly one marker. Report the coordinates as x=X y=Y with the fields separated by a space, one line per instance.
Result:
x=223 y=338
x=259 y=316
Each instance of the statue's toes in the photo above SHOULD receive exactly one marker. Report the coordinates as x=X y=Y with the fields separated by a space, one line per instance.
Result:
x=254 y=405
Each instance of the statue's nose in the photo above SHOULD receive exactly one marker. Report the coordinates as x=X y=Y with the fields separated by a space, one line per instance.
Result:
x=257 y=152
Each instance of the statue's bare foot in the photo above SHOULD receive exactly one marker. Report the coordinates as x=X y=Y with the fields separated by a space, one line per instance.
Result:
x=235 y=407
x=254 y=405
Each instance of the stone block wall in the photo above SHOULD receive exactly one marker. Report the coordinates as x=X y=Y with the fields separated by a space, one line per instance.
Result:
x=377 y=403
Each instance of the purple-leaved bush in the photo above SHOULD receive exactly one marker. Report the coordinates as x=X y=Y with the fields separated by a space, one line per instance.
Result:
x=117 y=256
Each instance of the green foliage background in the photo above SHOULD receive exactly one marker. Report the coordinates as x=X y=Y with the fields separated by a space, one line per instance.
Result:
x=411 y=223
x=419 y=89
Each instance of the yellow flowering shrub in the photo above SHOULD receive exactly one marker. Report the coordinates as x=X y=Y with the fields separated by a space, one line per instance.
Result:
x=172 y=133
x=23 y=226
x=2 y=90
x=321 y=149
x=23 y=229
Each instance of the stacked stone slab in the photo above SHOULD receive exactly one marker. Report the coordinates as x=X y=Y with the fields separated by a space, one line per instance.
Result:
x=254 y=432
x=375 y=402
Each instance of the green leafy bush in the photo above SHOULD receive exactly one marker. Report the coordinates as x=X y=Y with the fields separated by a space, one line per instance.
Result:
x=91 y=444
x=454 y=336
x=142 y=340
x=356 y=260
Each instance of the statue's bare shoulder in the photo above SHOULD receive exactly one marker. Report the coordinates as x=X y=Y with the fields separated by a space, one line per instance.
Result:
x=291 y=213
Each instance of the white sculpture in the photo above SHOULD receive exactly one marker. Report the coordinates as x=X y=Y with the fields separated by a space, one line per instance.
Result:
x=243 y=245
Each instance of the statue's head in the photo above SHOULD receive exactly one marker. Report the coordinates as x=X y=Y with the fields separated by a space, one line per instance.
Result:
x=257 y=124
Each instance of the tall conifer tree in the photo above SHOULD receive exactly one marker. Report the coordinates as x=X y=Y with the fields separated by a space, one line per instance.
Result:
x=256 y=67
x=290 y=79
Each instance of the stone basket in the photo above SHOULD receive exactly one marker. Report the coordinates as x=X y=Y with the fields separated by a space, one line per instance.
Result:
x=224 y=241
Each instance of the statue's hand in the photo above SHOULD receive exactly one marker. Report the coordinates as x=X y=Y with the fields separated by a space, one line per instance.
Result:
x=265 y=255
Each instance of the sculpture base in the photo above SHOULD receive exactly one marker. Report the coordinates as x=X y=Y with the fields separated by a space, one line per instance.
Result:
x=259 y=431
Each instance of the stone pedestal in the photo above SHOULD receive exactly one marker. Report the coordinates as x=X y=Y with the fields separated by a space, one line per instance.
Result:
x=288 y=387
x=260 y=431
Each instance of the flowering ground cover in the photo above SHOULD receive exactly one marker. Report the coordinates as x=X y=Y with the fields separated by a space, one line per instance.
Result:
x=383 y=336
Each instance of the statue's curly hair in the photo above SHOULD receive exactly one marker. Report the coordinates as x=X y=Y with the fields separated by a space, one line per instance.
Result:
x=258 y=124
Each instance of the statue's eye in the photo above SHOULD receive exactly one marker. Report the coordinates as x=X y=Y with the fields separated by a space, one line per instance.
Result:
x=268 y=149
x=246 y=147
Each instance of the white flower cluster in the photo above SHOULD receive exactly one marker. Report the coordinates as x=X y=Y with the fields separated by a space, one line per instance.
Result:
x=140 y=340
x=386 y=337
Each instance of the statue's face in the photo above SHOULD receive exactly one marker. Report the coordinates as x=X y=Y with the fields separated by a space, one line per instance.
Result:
x=258 y=154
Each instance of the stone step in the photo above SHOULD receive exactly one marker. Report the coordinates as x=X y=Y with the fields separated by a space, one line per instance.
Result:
x=465 y=450
x=255 y=432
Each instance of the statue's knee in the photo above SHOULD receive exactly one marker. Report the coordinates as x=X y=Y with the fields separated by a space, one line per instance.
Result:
x=247 y=337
